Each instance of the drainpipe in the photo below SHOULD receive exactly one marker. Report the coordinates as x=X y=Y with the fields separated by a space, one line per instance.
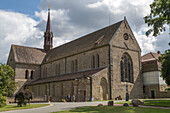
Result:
x=109 y=77
x=90 y=88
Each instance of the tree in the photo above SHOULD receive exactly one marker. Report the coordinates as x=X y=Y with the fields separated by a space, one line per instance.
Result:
x=7 y=83
x=23 y=97
x=158 y=17
x=165 y=71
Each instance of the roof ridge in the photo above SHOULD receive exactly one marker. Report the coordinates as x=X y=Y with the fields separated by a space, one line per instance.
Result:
x=87 y=34
x=154 y=56
x=27 y=47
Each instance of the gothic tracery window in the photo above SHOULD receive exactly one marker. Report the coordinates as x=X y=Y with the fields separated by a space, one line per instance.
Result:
x=126 y=68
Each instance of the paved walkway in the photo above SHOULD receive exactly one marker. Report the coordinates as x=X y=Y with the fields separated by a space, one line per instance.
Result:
x=58 y=106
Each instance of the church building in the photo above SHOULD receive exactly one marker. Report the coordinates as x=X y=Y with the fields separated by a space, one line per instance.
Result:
x=102 y=65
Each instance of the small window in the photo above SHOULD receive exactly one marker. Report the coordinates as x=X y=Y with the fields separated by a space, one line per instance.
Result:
x=72 y=66
x=26 y=74
x=32 y=74
x=93 y=61
x=76 y=65
x=98 y=60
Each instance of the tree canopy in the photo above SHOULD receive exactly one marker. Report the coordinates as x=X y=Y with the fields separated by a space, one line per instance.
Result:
x=158 y=17
x=165 y=71
x=7 y=83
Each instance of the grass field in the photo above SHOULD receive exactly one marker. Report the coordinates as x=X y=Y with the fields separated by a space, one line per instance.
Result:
x=15 y=107
x=160 y=103
x=115 y=109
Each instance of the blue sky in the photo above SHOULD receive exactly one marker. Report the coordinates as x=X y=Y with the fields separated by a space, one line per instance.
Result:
x=23 y=22
x=22 y=6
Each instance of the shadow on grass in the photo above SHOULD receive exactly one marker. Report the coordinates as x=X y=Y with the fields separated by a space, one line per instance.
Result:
x=115 y=109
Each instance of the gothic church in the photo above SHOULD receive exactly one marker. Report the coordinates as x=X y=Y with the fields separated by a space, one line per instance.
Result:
x=102 y=65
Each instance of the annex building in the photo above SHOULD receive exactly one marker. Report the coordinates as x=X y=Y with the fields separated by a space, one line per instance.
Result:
x=102 y=65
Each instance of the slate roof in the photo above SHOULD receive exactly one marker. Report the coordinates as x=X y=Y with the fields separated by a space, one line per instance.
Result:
x=29 y=55
x=150 y=62
x=70 y=76
x=98 y=38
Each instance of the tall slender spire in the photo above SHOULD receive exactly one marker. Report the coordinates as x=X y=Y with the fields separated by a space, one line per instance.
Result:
x=48 y=35
x=48 y=27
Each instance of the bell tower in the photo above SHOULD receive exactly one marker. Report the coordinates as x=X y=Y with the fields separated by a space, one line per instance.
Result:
x=48 y=35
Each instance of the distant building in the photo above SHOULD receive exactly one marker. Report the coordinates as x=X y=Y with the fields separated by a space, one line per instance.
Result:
x=102 y=65
x=154 y=85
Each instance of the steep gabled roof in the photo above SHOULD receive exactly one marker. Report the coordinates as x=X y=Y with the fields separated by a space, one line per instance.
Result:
x=150 y=62
x=28 y=55
x=96 y=39
x=150 y=56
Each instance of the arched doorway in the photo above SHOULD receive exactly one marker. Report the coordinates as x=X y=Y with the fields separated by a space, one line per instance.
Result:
x=104 y=89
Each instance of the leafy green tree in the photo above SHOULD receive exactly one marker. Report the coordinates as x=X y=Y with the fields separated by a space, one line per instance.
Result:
x=158 y=17
x=7 y=83
x=23 y=97
x=165 y=71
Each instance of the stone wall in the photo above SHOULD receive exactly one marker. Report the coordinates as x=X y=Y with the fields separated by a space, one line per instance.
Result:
x=56 y=91
x=98 y=91
x=158 y=91
x=84 y=62
x=132 y=48
x=20 y=70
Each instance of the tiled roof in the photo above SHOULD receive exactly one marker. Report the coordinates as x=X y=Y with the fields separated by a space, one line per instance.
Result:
x=28 y=55
x=70 y=76
x=150 y=62
x=98 y=38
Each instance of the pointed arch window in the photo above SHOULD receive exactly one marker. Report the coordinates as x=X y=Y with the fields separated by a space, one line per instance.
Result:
x=26 y=74
x=32 y=74
x=93 y=61
x=98 y=60
x=126 y=68
x=76 y=65
x=72 y=66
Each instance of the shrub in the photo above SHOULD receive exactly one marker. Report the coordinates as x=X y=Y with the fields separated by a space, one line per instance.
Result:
x=23 y=97
x=2 y=100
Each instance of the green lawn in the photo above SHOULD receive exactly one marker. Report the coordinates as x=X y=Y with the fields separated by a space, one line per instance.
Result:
x=161 y=103
x=15 y=107
x=115 y=109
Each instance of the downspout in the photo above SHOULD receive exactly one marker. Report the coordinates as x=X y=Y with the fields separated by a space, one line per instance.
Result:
x=109 y=77
x=90 y=88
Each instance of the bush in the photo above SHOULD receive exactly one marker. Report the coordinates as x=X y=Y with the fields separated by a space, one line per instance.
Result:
x=23 y=97
x=2 y=100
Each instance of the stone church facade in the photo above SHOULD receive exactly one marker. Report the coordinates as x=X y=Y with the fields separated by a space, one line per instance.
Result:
x=102 y=65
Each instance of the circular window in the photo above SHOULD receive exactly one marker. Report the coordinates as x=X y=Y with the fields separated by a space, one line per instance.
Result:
x=126 y=36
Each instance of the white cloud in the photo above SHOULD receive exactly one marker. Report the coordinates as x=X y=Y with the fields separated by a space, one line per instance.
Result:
x=16 y=28
x=72 y=19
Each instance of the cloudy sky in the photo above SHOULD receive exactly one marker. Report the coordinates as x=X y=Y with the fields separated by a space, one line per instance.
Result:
x=23 y=22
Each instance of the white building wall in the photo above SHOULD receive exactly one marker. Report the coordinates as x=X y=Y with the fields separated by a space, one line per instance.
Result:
x=153 y=78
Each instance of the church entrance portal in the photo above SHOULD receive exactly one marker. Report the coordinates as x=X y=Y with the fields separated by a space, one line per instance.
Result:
x=104 y=89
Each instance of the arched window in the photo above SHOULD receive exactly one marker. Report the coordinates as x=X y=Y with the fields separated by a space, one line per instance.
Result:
x=126 y=68
x=58 y=69
x=93 y=61
x=32 y=74
x=72 y=66
x=26 y=74
x=121 y=70
x=98 y=60
x=76 y=65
